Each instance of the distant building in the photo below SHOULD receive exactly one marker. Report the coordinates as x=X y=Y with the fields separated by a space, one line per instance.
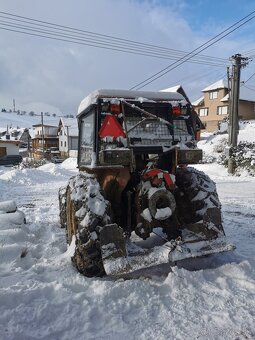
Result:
x=68 y=137
x=213 y=106
x=12 y=140
x=9 y=146
x=20 y=134
x=45 y=139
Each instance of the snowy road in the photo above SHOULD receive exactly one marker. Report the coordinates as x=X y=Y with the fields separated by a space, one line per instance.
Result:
x=43 y=297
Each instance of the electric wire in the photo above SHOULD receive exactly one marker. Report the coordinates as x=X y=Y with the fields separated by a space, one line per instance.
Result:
x=248 y=87
x=249 y=78
x=79 y=38
x=98 y=39
x=62 y=28
x=108 y=48
x=193 y=53
x=69 y=38
x=195 y=77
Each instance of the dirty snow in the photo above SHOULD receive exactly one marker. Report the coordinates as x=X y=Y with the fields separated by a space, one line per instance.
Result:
x=43 y=297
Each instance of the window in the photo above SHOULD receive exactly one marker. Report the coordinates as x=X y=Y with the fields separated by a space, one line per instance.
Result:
x=65 y=143
x=203 y=112
x=61 y=143
x=86 y=138
x=213 y=94
x=222 y=110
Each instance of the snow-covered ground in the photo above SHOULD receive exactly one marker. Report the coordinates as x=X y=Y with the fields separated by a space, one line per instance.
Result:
x=43 y=297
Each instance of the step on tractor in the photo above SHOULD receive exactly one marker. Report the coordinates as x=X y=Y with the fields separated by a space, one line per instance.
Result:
x=135 y=202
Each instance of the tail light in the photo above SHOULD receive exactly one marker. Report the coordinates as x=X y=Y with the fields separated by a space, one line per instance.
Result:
x=177 y=111
x=115 y=109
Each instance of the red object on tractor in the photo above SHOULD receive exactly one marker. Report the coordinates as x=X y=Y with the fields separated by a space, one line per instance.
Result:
x=111 y=128
x=155 y=180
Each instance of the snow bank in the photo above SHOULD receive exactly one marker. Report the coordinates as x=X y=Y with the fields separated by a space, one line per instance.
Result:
x=7 y=207
x=213 y=146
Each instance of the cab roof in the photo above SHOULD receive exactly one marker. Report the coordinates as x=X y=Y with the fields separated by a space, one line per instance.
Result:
x=141 y=96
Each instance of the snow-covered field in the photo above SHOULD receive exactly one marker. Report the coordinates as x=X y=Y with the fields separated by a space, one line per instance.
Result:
x=43 y=297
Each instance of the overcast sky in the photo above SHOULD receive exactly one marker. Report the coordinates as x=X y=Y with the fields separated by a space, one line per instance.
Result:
x=61 y=74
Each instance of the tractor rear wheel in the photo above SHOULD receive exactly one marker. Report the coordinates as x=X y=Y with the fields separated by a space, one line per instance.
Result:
x=62 y=195
x=196 y=195
x=87 y=212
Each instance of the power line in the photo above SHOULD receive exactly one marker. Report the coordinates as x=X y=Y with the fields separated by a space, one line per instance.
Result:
x=108 y=48
x=194 y=77
x=46 y=24
x=249 y=78
x=68 y=34
x=94 y=43
x=249 y=52
x=248 y=87
x=191 y=54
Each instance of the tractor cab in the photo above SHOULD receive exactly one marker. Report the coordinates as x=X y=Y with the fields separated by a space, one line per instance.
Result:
x=121 y=128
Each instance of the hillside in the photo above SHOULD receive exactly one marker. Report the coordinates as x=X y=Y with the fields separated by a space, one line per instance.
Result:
x=12 y=119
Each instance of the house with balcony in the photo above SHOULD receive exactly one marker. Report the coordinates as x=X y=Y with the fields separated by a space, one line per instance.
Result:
x=213 y=106
x=68 y=137
x=45 y=138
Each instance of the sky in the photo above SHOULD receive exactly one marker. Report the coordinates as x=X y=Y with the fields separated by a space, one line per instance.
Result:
x=60 y=74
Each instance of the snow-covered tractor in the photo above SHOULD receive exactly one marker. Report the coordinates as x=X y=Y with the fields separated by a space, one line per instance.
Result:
x=135 y=202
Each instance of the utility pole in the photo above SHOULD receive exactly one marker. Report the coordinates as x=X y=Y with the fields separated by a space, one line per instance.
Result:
x=233 y=130
x=42 y=134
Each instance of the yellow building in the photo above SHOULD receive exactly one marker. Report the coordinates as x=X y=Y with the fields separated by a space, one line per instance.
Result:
x=213 y=106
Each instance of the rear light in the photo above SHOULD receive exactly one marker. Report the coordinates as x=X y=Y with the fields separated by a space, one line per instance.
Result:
x=115 y=108
x=177 y=111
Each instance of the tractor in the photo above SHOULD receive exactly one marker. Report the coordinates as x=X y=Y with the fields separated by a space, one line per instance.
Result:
x=136 y=202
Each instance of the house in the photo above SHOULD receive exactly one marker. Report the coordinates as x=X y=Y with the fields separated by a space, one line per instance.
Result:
x=213 y=106
x=9 y=145
x=198 y=123
x=21 y=134
x=45 y=138
x=68 y=137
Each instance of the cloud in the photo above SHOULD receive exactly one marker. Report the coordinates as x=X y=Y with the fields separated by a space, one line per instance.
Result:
x=61 y=74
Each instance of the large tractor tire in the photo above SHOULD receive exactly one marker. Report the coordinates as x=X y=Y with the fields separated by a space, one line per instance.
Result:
x=196 y=196
x=87 y=211
x=62 y=195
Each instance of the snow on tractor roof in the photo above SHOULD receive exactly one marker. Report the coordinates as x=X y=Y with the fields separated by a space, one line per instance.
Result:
x=142 y=96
